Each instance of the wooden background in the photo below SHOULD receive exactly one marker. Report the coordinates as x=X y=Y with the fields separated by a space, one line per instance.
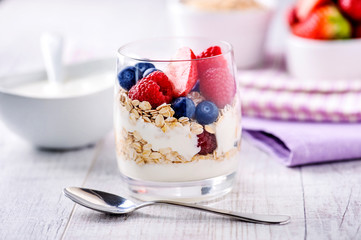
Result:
x=324 y=201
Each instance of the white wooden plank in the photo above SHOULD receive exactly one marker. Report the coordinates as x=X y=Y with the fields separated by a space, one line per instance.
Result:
x=264 y=186
x=333 y=200
x=32 y=205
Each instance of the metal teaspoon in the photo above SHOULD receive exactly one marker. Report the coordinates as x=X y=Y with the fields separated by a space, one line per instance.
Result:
x=114 y=204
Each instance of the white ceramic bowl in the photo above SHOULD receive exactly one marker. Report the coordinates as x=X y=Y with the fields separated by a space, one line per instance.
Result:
x=59 y=123
x=245 y=29
x=326 y=60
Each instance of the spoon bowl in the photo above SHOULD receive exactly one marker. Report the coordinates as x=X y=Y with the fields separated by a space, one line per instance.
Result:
x=114 y=204
x=100 y=201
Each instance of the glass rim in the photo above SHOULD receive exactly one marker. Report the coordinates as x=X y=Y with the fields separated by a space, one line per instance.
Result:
x=123 y=47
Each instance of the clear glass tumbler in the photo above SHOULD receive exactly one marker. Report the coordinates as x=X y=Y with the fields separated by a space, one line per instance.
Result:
x=177 y=118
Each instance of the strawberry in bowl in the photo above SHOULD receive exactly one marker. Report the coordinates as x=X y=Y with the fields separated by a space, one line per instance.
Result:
x=323 y=40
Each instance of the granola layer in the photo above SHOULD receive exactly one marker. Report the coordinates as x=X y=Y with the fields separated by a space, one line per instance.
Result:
x=131 y=146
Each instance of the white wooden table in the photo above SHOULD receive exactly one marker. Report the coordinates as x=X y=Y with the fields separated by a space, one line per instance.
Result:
x=324 y=201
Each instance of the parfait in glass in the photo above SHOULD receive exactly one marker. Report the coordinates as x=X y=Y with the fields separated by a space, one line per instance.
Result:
x=177 y=118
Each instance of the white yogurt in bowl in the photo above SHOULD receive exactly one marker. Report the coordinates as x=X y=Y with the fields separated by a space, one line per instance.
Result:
x=74 y=114
x=77 y=86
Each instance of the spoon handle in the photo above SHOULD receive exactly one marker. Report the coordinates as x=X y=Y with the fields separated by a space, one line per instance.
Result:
x=52 y=48
x=252 y=218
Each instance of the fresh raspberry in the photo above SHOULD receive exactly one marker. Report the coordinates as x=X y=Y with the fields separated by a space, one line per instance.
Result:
x=166 y=87
x=207 y=141
x=210 y=60
x=218 y=85
x=183 y=74
x=210 y=52
x=147 y=90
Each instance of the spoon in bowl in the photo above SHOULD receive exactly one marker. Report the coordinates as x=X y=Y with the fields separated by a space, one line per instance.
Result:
x=52 y=49
x=114 y=204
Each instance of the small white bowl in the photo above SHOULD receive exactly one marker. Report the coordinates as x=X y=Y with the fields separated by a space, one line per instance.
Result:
x=309 y=59
x=245 y=29
x=63 y=122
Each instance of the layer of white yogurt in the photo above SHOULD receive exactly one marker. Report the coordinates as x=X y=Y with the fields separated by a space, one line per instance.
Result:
x=70 y=87
x=179 y=139
x=228 y=130
x=192 y=171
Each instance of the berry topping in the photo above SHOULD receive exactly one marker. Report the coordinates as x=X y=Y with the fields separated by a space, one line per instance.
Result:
x=218 y=85
x=324 y=23
x=196 y=87
x=183 y=74
x=128 y=77
x=351 y=8
x=143 y=66
x=166 y=87
x=147 y=90
x=210 y=60
x=207 y=142
x=210 y=52
x=206 y=112
x=149 y=71
x=183 y=107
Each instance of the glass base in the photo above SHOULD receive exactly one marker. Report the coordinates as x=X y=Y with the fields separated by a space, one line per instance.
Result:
x=191 y=191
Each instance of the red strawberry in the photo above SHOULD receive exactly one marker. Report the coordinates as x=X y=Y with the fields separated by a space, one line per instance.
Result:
x=208 y=143
x=210 y=52
x=324 y=23
x=183 y=74
x=304 y=8
x=147 y=90
x=351 y=8
x=218 y=85
x=209 y=62
x=357 y=31
x=292 y=18
x=166 y=87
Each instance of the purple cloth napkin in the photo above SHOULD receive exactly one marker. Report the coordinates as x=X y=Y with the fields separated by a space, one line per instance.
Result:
x=300 y=143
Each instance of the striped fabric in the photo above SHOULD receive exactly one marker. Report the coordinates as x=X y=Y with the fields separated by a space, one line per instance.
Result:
x=269 y=92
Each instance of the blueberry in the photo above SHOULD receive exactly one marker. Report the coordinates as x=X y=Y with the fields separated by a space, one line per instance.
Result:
x=149 y=71
x=144 y=66
x=128 y=77
x=183 y=107
x=195 y=87
x=206 y=112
